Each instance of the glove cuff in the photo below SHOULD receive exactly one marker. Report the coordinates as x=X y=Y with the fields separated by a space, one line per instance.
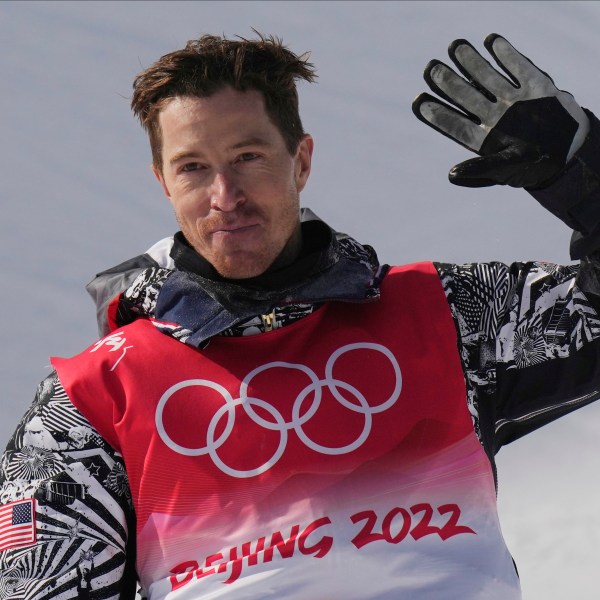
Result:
x=574 y=194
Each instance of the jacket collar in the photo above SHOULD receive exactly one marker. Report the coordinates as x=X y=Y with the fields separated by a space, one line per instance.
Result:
x=193 y=303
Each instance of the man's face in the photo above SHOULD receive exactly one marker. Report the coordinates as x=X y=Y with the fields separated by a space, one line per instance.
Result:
x=231 y=180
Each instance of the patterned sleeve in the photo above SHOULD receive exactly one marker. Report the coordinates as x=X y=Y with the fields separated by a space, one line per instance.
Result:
x=529 y=341
x=65 y=508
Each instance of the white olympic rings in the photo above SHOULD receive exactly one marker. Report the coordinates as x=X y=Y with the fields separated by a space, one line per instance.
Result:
x=279 y=424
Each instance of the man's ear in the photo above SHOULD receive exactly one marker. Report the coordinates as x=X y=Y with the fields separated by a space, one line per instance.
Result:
x=303 y=160
x=161 y=180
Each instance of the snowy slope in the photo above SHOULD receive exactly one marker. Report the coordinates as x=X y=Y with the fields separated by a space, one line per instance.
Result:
x=78 y=195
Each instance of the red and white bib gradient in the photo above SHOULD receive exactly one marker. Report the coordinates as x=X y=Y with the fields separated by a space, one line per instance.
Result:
x=333 y=458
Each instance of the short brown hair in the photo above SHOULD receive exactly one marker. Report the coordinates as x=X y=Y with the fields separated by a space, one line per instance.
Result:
x=210 y=63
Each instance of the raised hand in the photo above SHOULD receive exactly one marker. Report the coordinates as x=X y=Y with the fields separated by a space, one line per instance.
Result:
x=523 y=127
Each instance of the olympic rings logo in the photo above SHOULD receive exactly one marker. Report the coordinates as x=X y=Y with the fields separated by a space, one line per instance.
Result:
x=279 y=424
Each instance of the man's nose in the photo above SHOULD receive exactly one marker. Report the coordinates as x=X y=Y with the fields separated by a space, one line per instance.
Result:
x=226 y=194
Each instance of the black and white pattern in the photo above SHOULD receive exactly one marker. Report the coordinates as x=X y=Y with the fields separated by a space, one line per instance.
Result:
x=552 y=320
x=279 y=317
x=513 y=318
x=141 y=296
x=83 y=504
x=365 y=255
x=477 y=294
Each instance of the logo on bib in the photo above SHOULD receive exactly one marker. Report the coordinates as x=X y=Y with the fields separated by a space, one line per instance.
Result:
x=299 y=418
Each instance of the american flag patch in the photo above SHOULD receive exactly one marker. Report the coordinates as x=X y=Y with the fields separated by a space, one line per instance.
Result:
x=17 y=524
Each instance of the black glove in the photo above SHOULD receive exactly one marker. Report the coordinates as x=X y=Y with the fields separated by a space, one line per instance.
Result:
x=524 y=129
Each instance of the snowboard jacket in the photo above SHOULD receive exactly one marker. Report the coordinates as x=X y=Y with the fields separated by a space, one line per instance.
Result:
x=333 y=419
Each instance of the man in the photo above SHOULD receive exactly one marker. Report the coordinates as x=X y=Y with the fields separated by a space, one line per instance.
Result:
x=274 y=414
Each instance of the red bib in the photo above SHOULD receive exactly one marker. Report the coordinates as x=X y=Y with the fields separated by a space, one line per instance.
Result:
x=344 y=437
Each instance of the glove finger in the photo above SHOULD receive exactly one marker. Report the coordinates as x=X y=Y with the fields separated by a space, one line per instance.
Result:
x=446 y=83
x=519 y=67
x=537 y=84
x=478 y=70
x=449 y=121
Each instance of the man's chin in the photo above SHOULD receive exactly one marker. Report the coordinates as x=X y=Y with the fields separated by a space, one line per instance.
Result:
x=241 y=269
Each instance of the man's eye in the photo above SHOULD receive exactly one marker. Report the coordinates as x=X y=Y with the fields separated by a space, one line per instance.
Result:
x=190 y=167
x=246 y=156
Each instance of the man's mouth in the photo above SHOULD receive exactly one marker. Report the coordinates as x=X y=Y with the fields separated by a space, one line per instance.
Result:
x=234 y=229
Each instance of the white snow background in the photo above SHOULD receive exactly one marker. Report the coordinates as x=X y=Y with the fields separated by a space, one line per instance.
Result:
x=78 y=195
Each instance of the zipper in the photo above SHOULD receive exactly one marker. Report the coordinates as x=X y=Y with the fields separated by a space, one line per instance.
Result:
x=548 y=409
x=268 y=321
